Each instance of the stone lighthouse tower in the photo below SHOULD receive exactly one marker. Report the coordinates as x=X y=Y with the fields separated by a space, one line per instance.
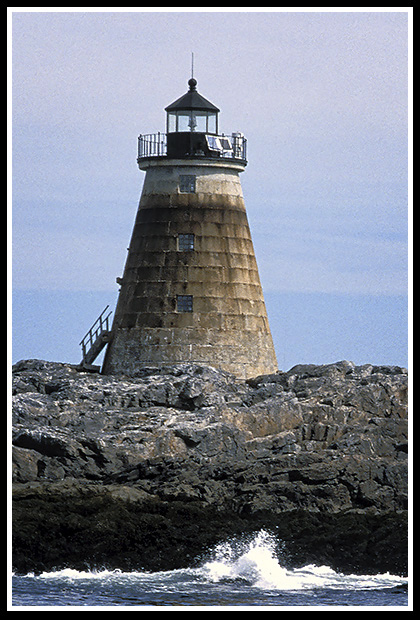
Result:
x=190 y=291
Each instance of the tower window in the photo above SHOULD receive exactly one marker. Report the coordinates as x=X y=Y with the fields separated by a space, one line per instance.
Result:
x=187 y=183
x=185 y=242
x=184 y=303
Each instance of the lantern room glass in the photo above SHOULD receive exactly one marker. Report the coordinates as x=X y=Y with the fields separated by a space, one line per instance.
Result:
x=192 y=120
x=212 y=122
x=171 y=122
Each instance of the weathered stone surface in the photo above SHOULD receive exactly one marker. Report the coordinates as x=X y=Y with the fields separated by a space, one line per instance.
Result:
x=183 y=456
x=226 y=324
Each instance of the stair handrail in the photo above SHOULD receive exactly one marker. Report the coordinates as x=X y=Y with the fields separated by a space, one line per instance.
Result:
x=103 y=325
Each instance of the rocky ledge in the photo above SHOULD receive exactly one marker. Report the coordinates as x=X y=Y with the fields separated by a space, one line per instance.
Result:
x=150 y=472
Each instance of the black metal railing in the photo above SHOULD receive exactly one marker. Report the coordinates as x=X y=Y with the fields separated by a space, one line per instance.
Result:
x=96 y=338
x=152 y=145
x=232 y=146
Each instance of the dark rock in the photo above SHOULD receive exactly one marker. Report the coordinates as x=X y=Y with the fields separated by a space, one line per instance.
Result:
x=176 y=459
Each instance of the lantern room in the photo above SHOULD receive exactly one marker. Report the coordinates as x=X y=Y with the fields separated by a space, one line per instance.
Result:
x=192 y=112
x=190 y=121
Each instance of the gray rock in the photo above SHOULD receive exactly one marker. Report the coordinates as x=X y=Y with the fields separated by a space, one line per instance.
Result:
x=325 y=439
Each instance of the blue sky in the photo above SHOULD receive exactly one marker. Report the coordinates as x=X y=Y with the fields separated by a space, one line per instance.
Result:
x=322 y=98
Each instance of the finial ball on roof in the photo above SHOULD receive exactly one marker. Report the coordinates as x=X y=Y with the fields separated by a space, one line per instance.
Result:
x=192 y=83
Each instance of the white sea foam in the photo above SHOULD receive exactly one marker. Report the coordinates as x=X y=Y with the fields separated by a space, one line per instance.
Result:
x=253 y=562
x=258 y=565
x=73 y=574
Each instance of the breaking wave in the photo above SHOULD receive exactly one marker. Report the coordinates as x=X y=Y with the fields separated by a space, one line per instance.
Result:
x=237 y=572
x=258 y=565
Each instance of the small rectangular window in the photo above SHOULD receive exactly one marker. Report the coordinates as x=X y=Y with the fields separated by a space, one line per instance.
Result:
x=184 y=303
x=185 y=243
x=187 y=183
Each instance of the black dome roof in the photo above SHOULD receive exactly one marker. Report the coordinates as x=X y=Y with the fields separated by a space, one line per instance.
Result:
x=192 y=100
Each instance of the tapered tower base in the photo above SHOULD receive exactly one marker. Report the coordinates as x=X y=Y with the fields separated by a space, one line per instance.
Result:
x=190 y=290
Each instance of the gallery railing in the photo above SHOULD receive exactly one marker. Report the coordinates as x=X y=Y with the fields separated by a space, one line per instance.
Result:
x=232 y=146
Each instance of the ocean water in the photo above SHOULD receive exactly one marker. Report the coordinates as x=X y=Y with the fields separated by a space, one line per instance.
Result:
x=238 y=573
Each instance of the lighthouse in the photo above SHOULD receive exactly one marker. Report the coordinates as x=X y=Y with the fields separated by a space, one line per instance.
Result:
x=190 y=290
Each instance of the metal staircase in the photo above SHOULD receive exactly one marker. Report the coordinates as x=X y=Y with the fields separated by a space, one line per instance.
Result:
x=95 y=340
